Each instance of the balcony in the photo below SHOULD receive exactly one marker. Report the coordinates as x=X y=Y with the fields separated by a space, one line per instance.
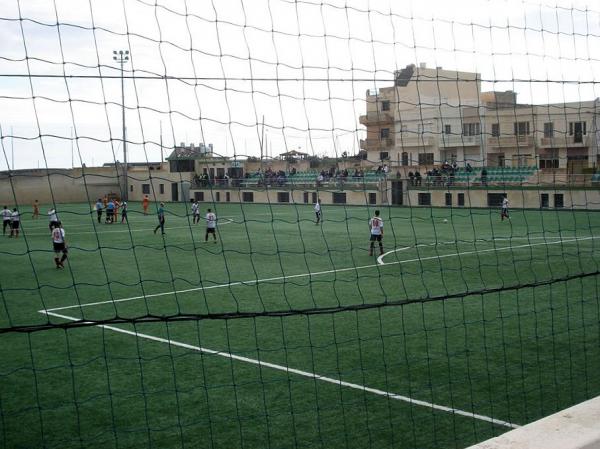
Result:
x=415 y=141
x=510 y=142
x=376 y=118
x=459 y=141
x=376 y=144
x=563 y=141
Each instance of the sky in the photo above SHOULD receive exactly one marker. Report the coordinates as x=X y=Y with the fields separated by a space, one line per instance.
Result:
x=259 y=77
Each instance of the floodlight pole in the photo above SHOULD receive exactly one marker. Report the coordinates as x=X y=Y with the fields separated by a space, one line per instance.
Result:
x=122 y=57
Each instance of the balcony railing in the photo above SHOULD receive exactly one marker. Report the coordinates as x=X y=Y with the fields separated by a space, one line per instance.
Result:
x=374 y=118
x=510 y=141
x=415 y=141
x=373 y=144
x=459 y=141
x=565 y=141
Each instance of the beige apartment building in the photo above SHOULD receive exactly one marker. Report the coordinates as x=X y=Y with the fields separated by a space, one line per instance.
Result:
x=434 y=115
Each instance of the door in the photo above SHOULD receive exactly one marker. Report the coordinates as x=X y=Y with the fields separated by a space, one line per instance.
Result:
x=397 y=193
x=174 y=191
x=405 y=158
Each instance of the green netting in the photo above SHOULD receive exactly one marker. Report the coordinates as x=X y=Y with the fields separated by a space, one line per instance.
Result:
x=283 y=331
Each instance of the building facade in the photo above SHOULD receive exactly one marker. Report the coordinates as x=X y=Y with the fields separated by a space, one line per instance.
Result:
x=434 y=115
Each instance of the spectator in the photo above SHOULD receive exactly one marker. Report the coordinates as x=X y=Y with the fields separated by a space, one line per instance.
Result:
x=484 y=177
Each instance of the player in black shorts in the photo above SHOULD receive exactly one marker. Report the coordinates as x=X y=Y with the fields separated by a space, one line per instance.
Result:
x=59 y=245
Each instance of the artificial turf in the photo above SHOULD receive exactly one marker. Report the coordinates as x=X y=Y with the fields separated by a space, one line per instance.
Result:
x=286 y=334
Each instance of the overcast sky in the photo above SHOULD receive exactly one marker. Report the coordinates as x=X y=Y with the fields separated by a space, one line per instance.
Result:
x=303 y=66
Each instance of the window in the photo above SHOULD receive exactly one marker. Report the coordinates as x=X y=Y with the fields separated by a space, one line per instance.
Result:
x=521 y=128
x=248 y=197
x=495 y=199
x=544 y=201
x=384 y=133
x=199 y=196
x=218 y=196
x=372 y=198
x=181 y=166
x=131 y=188
x=559 y=200
x=305 y=197
x=577 y=130
x=447 y=129
x=495 y=129
x=448 y=199
x=161 y=189
x=577 y=127
x=146 y=189
x=339 y=198
x=384 y=155
x=425 y=158
x=283 y=197
x=548 y=163
x=548 y=130
x=549 y=159
x=385 y=105
x=424 y=199
x=405 y=158
x=228 y=196
x=461 y=199
x=471 y=129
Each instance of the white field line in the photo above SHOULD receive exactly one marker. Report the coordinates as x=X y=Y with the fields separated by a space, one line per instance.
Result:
x=318 y=273
x=476 y=251
x=298 y=372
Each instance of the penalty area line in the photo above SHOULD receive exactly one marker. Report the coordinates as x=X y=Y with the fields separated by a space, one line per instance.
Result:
x=475 y=251
x=298 y=372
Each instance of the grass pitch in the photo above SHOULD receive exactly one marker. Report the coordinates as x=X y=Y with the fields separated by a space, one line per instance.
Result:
x=461 y=331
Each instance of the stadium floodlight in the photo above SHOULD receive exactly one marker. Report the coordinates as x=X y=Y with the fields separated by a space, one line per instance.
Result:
x=122 y=56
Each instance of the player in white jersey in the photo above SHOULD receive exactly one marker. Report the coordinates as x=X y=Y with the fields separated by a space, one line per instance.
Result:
x=15 y=223
x=376 y=227
x=504 y=211
x=211 y=225
x=195 y=212
x=6 y=213
x=124 y=213
x=59 y=245
x=53 y=217
x=317 y=209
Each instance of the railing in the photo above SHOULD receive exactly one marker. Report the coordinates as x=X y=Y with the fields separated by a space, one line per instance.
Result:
x=511 y=141
x=415 y=141
x=458 y=141
x=373 y=144
x=564 y=141
x=372 y=118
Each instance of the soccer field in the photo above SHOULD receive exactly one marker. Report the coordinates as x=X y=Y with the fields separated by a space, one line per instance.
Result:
x=287 y=334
